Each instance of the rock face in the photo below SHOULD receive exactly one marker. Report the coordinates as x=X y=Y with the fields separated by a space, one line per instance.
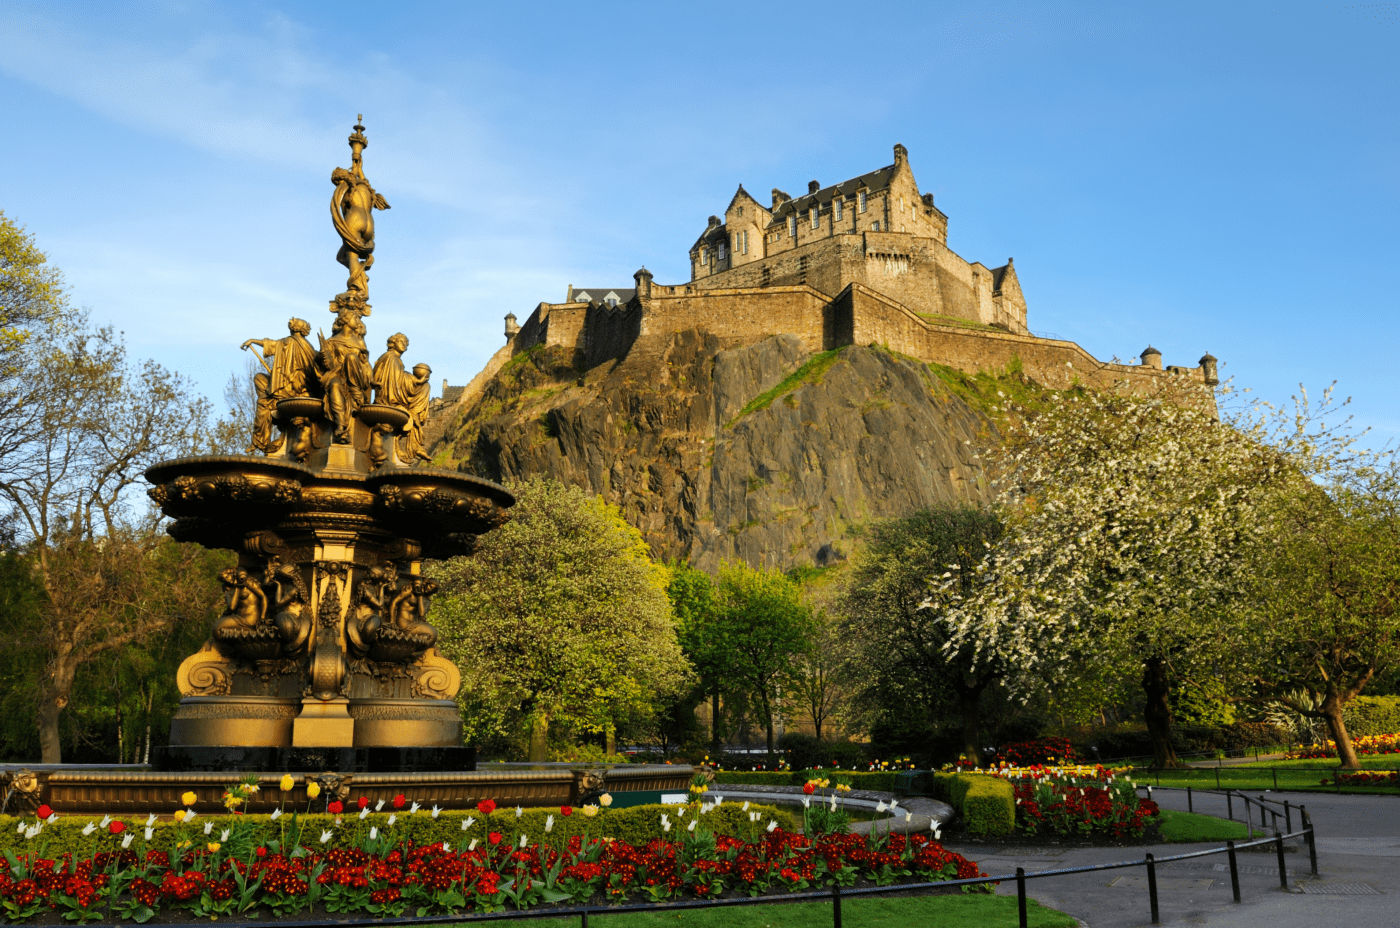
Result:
x=678 y=435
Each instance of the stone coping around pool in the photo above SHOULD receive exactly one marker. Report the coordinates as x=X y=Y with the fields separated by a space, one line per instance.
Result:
x=926 y=811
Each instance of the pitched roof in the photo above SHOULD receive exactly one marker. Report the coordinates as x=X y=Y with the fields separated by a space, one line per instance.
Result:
x=596 y=295
x=874 y=180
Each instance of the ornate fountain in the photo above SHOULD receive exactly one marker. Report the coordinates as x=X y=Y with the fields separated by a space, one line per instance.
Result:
x=323 y=660
x=324 y=657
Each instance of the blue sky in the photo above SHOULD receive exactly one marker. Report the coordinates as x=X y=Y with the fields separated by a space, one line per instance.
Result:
x=1209 y=176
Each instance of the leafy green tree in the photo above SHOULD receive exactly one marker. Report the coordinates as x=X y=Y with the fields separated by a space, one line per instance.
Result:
x=559 y=618
x=761 y=628
x=696 y=605
x=907 y=660
x=32 y=296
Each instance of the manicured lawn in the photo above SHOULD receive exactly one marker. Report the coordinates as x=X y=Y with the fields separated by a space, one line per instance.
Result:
x=1291 y=775
x=1191 y=827
x=976 y=911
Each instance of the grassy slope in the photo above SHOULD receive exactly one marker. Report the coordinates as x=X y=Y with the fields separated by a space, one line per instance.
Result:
x=1181 y=827
x=974 y=911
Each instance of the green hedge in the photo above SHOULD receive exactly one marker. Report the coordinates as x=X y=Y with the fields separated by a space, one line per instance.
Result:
x=987 y=804
x=880 y=780
x=1372 y=715
x=636 y=825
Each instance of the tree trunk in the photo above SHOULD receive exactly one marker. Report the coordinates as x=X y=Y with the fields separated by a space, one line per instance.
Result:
x=539 y=736
x=610 y=739
x=50 y=747
x=1332 y=711
x=768 y=722
x=1158 y=713
x=969 y=705
x=716 y=745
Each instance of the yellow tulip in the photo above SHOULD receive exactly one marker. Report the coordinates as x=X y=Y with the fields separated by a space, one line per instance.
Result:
x=313 y=789
x=214 y=846
x=287 y=783
x=180 y=815
x=605 y=800
x=189 y=798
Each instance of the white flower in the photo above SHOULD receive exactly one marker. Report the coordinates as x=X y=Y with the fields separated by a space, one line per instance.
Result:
x=519 y=811
x=189 y=815
x=523 y=840
x=31 y=832
x=693 y=823
x=53 y=817
x=326 y=836
x=467 y=823
x=393 y=818
x=373 y=833
x=908 y=816
x=223 y=835
x=89 y=828
x=446 y=847
x=549 y=824
x=472 y=846
x=893 y=803
x=276 y=814
x=718 y=801
x=772 y=825
x=365 y=811
x=436 y=810
x=881 y=807
x=745 y=807
x=413 y=808
x=665 y=822
x=379 y=805
x=208 y=827
x=126 y=842
x=20 y=829
x=151 y=821
x=806 y=802
x=150 y=832
x=106 y=820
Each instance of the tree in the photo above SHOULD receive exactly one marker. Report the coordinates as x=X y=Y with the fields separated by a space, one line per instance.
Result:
x=559 y=618
x=906 y=649
x=759 y=630
x=32 y=295
x=1329 y=592
x=1133 y=526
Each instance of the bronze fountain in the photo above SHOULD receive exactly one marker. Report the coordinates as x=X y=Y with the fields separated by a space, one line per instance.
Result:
x=323 y=661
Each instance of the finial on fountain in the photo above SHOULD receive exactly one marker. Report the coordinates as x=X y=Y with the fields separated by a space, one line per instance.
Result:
x=352 y=213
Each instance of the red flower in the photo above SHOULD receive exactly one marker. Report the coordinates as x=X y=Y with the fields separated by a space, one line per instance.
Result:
x=398 y=801
x=566 y=811
x=486 y=806
x=362 y=802
x=335 y=808
x=809 y=789
x=261 y=852
x=44 y=811
x=494 y=837
x=116 y=827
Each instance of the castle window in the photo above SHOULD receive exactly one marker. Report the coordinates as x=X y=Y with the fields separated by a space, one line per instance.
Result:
x=862 y=201
x=741 y=211
x=721 y=251
x=816 y=218
x=704 y=256
x=792 y=226
x=745 y=235
x=836 y=210
x=875 y=226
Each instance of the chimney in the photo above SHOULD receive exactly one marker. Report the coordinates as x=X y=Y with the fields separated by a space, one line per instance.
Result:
x=779 y=197
x=901 y=155
x=1152 y=358
x=813 y=186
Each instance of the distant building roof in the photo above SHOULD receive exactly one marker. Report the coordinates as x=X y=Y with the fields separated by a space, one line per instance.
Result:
x=452 y=394
x=872 y=181
x=603 y=296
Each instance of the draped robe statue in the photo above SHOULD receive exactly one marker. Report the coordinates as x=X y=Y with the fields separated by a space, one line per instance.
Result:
x=393 y=386
x=290 y=374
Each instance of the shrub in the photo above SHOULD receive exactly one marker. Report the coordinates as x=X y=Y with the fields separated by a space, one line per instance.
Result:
x=804 y=750
x=1372 y=715
x=987 y=804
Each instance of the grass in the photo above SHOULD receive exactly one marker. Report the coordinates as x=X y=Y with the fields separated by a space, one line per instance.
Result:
x=975 y=911
x=810 y=372
x=1300 y=775
x=1188 y=827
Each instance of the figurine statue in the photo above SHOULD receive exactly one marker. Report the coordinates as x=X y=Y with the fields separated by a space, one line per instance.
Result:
x=352 y=207
x=410 y=607
x=289 y=375
x=345 y=375
x=408 y=392
x=247 y=603
x=419 y=399
x=291 y=611
x=367 y=613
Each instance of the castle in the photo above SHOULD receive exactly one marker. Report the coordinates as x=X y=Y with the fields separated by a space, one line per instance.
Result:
x=862 y=262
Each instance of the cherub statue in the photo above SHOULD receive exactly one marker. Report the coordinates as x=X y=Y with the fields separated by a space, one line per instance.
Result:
x=291 y=612
x=352 y=207
x=410 y=608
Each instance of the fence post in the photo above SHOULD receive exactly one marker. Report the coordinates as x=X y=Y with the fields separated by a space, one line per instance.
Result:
x=1312 y=846
x=1282 y=866
x=1287 y=817
x=1230 y=803
x=583 y=916
x=1021 y=896
x=836 y=904
x=1189 y=806
x=1275 y=772
x=1152 y=889
x=1234 y=870
x=1217 y=777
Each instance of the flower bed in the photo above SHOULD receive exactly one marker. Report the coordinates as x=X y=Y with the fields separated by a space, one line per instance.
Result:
x=1367 y=744
x=232 y=867
x=1365 y=778
x=1077 y=801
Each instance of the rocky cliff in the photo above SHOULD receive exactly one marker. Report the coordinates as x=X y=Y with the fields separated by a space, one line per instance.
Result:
x=760 y=452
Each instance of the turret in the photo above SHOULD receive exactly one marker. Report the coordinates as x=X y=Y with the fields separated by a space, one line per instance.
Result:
x=643 y=279
x=511 y=328
x=1152 y=358
x=1208 y=362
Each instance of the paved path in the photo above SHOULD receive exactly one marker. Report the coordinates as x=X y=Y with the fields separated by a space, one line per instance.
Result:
x=1358 y=847
x=1358 y=851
